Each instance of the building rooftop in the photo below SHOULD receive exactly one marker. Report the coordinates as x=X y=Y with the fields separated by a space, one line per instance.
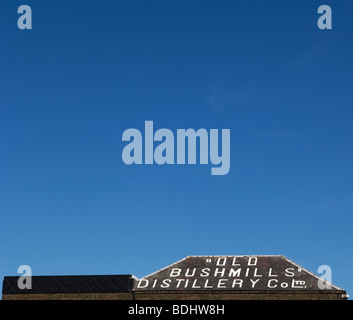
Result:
x=233 y=273
x=71 y=284
x=246 y=272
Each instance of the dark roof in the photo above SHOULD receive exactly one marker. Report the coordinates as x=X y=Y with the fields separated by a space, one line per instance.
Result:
x=235 y=273
x=238 y=273
x=72 y=284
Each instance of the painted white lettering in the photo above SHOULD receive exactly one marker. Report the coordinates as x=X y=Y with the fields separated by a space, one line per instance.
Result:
x=166 y=283
x=234 y=273
x=237 y=282
x=253 y=282
x=143 y=283
x=270 y=285
x=252 y=261
x=219 y=273
x=205 y=272
x=289 y=272
x=270 y=274
x=175 y=272
x=222 y=283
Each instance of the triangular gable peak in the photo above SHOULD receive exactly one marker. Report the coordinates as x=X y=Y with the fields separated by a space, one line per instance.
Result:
x=246 y=272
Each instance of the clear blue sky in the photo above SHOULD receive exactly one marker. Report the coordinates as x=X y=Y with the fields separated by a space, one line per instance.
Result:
x=88 y=70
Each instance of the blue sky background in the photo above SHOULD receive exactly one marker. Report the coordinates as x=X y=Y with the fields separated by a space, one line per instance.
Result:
x=88 y=70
